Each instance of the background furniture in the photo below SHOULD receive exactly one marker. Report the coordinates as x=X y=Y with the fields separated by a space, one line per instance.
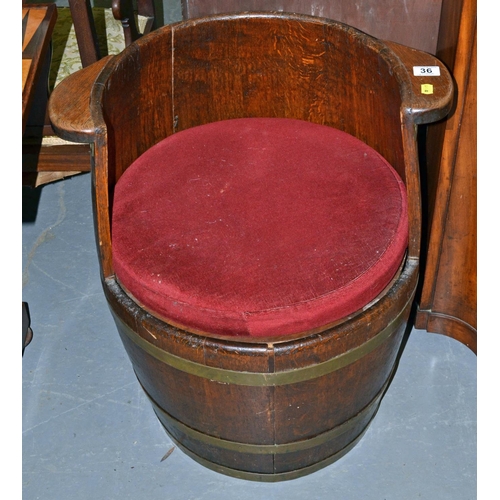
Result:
x=37 y=24
x=98 y=32
x=27 y=333
x=124 y=11
x=38 y=21
x=413 y=23
x=448 y=300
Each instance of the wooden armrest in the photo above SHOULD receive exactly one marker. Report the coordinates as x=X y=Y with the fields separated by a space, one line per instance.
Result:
x=426 y=104
x=69 y=104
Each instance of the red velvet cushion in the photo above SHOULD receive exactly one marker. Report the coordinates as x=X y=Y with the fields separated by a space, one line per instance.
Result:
x=258 y=226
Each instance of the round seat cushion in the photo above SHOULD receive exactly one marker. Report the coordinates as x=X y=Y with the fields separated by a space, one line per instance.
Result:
x=259 y=227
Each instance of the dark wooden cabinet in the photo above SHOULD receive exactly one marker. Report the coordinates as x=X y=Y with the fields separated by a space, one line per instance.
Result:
x=447 y=302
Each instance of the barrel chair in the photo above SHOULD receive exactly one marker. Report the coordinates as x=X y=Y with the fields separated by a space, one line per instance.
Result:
x=256 y=198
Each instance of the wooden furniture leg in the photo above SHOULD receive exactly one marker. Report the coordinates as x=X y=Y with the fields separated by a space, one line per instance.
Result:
x=81 y=12
x=26 y=325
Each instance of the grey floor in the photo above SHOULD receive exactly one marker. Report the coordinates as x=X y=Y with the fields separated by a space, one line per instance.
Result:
x=90 y=433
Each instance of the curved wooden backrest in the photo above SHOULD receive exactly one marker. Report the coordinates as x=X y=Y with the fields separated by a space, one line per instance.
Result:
x=244 y=65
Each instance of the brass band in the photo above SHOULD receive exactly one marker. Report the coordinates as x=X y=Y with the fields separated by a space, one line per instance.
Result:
x=272 y=477
x=263 y=379
x=269 y=449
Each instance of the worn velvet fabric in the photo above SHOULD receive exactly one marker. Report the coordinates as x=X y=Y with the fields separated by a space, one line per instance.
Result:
x=258 y=227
